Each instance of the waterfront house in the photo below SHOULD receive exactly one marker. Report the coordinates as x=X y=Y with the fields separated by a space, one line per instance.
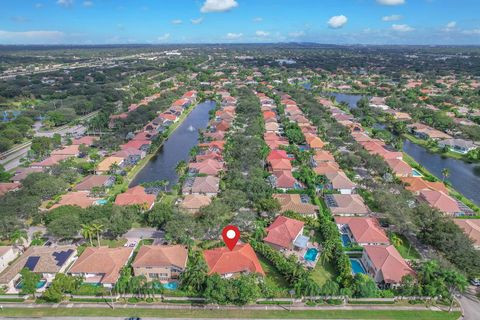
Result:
x=136 y=196
x=161 y=263
x=101 y=265
x=208 y=185
x=423 y=131
x=192 y=203
x=340 y=182
x=231 y=263
x=346 y=204
x=131 y=156
x=76 y=198
x=362 y=230
x=45 y=261
x=296 y=203
x=385 y=265
x=399 y=167
x=471 y=227
x=209 y=167
x=458 y=145
x=95 y=181
x=283 y=232
x=441 y=201
x=417 y=184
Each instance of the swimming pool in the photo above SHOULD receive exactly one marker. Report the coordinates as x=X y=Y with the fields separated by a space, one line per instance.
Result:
x=415 y=173
x=170 y=285
x=357 y=266
x=40 y=284
x=346 y=240
x=101 y=202
x=311 y=255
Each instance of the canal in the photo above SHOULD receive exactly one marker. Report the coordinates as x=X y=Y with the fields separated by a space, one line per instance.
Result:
x=464 y=177
x=176 y=148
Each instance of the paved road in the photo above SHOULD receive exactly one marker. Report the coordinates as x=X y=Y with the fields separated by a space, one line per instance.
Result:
x=470 y=305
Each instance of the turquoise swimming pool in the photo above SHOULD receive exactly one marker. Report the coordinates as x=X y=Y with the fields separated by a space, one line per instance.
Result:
x=40 y=284
x=357 y=266
x=346 y=240
x=170 y=285
x=311 y=255
x=101 y=202
x=415 y=173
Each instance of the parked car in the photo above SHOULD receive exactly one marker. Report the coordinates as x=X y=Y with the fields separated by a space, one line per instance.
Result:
x=475 y=282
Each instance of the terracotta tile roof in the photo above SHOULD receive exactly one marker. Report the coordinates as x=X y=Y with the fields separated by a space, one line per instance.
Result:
x=209 y=155
x=107 y=163
x=416 y=184
x=161 y=256
x=135 y=196
x=135 y=144
x=314 y=141
x=50 y=161
x=194 y=202
x=293 y=202
x=208 y=184
x=241 y=259
x=283 y=232
x=323 y=156
x=8 y=186
x=72 y=150
x=323 y=168
x=280 y=164
x=339 y=180
x=269 y=114
x=86 y=140
x=39 y=259
x=471 y=227
x=284 y=179
x=76 y=198
x=389 y=263
x=399 y=167
x=209 y=166
x=364 y=229
x=277 y=154
x=440 y=201
x=102 y=260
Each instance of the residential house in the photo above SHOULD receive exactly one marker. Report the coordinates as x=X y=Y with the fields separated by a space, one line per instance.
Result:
x=95 y=181
x=49 y=162
x=441 y=201
x=279 y=165
x=22 y=173
x=160 y=263
x=278 y=155
x=9 y=186
x=323 y=168
x=417 y=184
x=46 y=261
x=136 y=196
x=192 y=203
x=346 y=204
x=385 y=265
x=70 y=151
x=284 y=180
x=471 y=227
x=314 y=142
x=283 y=233
x=296 y=203
x=209 y=167
x=423 y=131
x=208 y=185
x=76 y=198
x=131 y=156
x=458 y=145
x=106 y=164
x=340 y=182
x=399 y=167
x=231 y=263
x=101 y=265
x=362 y=230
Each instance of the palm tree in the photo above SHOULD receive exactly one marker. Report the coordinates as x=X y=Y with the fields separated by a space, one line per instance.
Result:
x=97 y=228
x=18 y=236
x=445 y=173
x=114 y=167
x=181 y=167
x=87 y=232
x=396 y=240
x=164 y=184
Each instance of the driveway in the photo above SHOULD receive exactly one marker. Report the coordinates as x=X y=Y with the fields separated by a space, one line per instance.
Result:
x=470 y=304
x=134 y=235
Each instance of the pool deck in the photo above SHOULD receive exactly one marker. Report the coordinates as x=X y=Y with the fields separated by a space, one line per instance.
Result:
x=300 y=254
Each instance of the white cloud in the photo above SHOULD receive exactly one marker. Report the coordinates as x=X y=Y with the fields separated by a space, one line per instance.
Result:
x=196 y=21
x=164 y=37
x=87 y=3
x=296 y=34
x=471 y=31
x=391 y=2
x=402 y=28
x=65 y=3
x=177 y=21
x=393 y=17
x=218 y=5
x=450 y=26
x=261 y=33
x=233 y=36
x=257 y=19
x=33 y=36
x=337 y=22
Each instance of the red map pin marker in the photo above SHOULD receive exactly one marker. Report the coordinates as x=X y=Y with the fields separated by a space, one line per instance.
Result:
x=230 y=235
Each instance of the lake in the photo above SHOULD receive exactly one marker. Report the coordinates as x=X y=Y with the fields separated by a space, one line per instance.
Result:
x=176 y=148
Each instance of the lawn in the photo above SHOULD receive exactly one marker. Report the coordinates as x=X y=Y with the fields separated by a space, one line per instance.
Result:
x=250 y=314
x=407 y=251
x=274 y=278
x=322 y=272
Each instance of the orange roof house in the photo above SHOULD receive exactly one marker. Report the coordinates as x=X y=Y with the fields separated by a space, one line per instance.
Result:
x=162 y=263
x=101 y=265
x=136 y=196
x=9 y=186
x=280 y=164
x=194 y=202
x=441 y=201
x=72 y=150
x=363 y=230
x=314 y=142
x=105 y=165
x=323 y=168
x=228 y=263
x=471 y=227
x=400 y=167
x=76 y=198
x=277 y=154
x=209 y=167
x=417 y=184
x=385 y=264
x=281 y=234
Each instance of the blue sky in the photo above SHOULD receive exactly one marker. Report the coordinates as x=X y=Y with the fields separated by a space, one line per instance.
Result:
x=231 y=21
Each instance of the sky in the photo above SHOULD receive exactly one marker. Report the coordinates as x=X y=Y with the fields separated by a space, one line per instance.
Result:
x=417 y=22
